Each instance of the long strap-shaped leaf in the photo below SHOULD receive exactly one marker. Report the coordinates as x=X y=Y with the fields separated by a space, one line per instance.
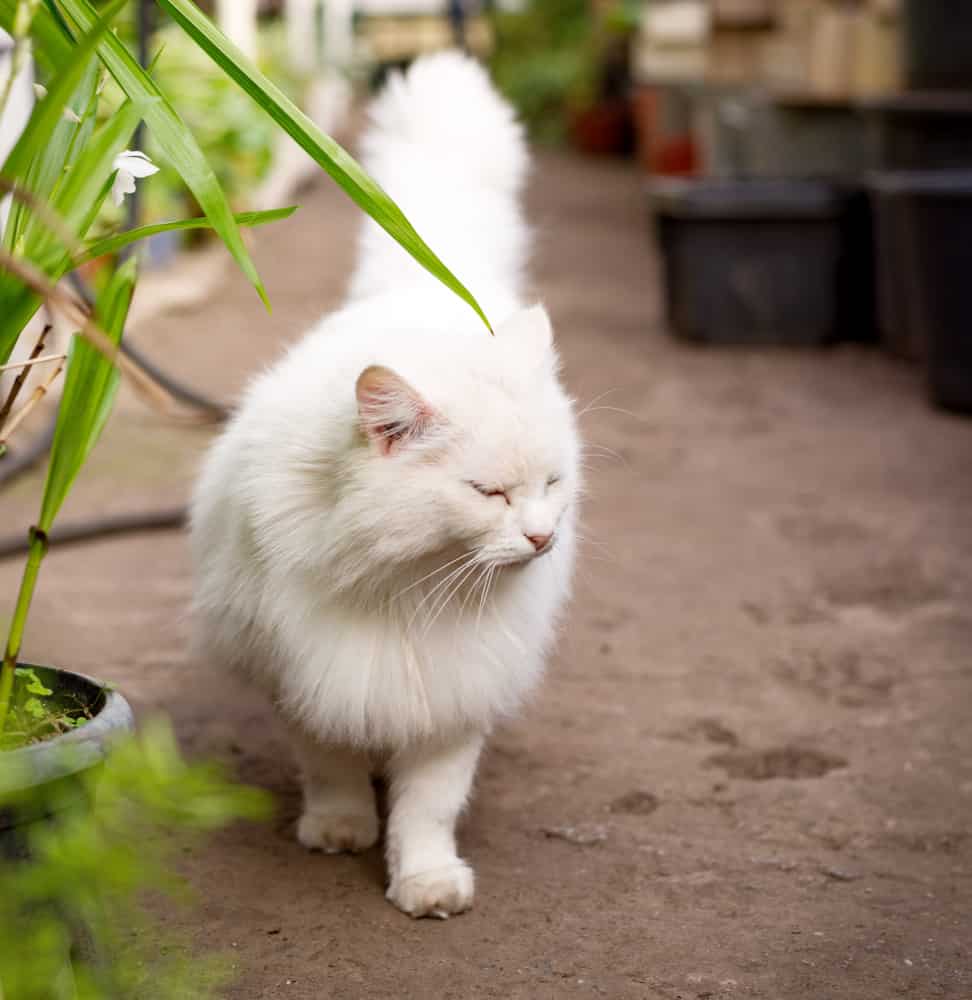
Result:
x=178 y=144
x=112 y=244
x=47 y=114
x=78 y=201
x=90 y=387
x=48 y=43
x=331 y=156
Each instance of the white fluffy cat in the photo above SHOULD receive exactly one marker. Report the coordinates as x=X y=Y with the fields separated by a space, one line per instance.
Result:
x=384 y=535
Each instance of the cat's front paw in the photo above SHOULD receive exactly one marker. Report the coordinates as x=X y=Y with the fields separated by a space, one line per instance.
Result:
x=439 y=892
x=334 y=832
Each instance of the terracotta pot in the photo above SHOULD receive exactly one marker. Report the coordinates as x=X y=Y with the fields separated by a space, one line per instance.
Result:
x=660 y=151
x=605 y=129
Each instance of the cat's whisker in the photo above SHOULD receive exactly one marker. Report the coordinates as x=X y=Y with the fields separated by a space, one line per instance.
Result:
x=589 y=540
x=600 y=553
x=472 y=590
x=450 y=594
x=610 y=409
x=596 y=400
x=444 y=582
x=600 y=557
x=490 y=576
x=444 y=586
x=603 y=451
x=434 y=572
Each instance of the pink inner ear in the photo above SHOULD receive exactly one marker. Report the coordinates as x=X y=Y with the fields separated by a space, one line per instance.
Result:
x=392 y=413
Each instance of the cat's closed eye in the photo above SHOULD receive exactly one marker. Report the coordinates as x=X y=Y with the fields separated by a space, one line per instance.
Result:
x=489 y=491
x=553 y=479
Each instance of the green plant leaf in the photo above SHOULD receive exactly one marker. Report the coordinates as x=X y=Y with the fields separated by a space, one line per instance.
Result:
x=177 y=143
x=49 y=44
x=78 y=200
x=33 y=684
x=37 y=162
x=49 y=111
x=90 y=387
x=88 y=181
x=49 y=160
x=112 y=244
x=33 y=706
x=342 y=168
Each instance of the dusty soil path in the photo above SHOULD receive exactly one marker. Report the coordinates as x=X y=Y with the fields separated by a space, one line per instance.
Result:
x=750 y=771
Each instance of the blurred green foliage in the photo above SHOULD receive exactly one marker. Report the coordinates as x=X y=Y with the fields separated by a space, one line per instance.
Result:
x=543 y=62
x=554 y=57
x=76 y=907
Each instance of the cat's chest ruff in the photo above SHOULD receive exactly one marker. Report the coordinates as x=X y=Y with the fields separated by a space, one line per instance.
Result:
x=389 y=678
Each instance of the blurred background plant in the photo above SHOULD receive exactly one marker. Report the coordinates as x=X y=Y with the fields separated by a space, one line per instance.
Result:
x=558 y=59
x=77 y=917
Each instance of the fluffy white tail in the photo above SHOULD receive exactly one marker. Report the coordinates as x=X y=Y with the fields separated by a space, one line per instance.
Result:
x=446 y=107
x=448 y=149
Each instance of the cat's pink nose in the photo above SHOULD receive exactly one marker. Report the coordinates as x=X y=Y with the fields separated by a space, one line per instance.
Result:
x=539 y=542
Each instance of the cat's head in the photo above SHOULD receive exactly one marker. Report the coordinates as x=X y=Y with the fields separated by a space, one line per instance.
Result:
x=471 y=446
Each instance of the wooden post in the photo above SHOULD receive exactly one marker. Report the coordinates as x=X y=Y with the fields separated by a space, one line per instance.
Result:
x=338 y=33
x=303 y=34
x=20 y=103
x=238 y=20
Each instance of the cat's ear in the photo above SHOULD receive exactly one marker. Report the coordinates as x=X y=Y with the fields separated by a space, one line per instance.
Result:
x=530 y=330
x=392 y=413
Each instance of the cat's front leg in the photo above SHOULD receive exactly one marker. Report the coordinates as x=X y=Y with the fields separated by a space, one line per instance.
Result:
x=428 y=787
x=339 y=811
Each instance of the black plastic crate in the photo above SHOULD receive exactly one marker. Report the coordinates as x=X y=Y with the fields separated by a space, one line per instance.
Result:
x=758 y=261
x=938 y=210
x=938 y=43
x=898 y=317
x=922 y=131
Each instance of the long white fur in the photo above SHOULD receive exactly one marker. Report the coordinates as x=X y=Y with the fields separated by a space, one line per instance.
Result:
x=392 y=610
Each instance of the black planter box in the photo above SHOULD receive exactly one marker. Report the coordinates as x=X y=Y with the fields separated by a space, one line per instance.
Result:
x=898 y=316
x=938 y=209
x=938 y=43
x=921 y=131
x=763 y=262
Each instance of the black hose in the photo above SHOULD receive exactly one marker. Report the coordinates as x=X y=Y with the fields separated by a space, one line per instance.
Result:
x=163 y=519
x=178 y=390
x=16 y=463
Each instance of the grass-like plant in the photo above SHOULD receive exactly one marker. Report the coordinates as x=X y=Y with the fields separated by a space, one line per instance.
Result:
x=76 y=920
x=60 y=172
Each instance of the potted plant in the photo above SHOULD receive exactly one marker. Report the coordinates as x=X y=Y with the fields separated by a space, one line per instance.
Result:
x=104 y=850
x=564 y=66
x=54 y=724
x=599 y=103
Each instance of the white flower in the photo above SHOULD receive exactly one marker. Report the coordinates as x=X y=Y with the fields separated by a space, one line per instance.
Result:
x=40 y=91
x=130 y=164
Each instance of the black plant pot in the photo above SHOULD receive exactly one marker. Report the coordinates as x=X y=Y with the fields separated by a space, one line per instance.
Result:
x=939 y=206
x=899 y=321
x=39 y=781
x=938 y=49
x=757 y=261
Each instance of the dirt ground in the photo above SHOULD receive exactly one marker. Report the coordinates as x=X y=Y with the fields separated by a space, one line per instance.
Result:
x=749 y=773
